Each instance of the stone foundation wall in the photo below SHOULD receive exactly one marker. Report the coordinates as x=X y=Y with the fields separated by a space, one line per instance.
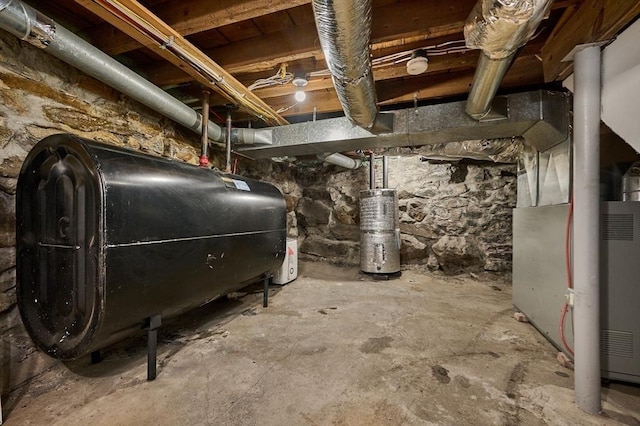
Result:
x=454 y=216
x=41 y=96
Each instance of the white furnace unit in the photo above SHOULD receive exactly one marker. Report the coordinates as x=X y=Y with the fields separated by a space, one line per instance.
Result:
x=539 y=279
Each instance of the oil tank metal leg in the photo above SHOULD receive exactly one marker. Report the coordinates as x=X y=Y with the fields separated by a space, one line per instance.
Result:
x=265 y=293
x=152 y=343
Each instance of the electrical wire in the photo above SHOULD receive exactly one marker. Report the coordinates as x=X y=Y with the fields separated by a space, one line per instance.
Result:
x=446 y=48
x=275 y=80
x=283 y=109
x=567 y=261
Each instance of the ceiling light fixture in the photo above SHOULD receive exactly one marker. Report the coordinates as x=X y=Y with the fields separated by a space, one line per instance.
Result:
x=418 y=62
x=300 y=82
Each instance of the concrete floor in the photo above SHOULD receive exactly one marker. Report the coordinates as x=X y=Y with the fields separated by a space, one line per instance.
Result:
x=333 y=348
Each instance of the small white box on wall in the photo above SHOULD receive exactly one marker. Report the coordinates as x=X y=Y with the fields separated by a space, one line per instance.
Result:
x=289 y=269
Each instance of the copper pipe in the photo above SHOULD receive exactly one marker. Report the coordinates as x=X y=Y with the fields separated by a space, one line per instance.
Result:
x=204 y=156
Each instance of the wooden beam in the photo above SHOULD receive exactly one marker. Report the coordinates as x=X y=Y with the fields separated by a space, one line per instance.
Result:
x=253 y=55
x=595 y=20
x=437 y=64
x=128 y=16
x=525 y=70
x=394 y=21
x=191 y=17
x=451 y=63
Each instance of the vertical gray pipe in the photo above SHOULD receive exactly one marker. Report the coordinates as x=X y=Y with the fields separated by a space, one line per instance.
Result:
x=586 y=222
x=385 y=172
x=228 y=163
x=372 y=171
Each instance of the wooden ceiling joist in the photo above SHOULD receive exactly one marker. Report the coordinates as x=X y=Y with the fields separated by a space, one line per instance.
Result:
x=593 y=21
x=525 y=70
x=248 y=40
x=192 y=17
x=138 y=22
x=266 y=52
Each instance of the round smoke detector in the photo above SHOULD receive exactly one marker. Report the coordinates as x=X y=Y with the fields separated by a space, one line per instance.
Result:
x=417 y=65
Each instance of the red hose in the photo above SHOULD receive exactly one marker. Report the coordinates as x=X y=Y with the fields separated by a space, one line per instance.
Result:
x=567 y=260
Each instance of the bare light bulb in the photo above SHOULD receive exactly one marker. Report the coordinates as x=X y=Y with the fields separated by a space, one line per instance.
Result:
x=300 y=81
x=300 y=95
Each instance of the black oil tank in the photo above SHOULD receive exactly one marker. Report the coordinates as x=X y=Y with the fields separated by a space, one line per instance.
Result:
x=107 y=237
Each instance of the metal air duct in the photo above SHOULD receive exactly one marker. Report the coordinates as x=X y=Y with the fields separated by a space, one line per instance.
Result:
x=499 y=28
x=344 y=29
x=32 y=26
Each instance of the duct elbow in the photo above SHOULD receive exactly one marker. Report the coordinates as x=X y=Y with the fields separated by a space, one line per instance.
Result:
x=341 y=160
x=242 y=136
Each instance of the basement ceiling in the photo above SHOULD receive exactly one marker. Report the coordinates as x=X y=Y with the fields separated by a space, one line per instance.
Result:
x=251 y=39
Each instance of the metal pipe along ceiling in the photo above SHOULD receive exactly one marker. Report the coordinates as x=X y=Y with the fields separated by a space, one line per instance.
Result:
x=499 y=28
x=344 y=30
x=30 y=25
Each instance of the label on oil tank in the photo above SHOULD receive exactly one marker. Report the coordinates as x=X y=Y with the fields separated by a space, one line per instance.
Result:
x=241 y=185
x=236 y=184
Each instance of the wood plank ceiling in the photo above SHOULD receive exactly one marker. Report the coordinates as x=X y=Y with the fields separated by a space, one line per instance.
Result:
x=250 y=39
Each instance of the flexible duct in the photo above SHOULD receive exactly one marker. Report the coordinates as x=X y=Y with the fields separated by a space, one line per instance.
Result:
x=499 y=28
x=344 y=30
x=30 y=25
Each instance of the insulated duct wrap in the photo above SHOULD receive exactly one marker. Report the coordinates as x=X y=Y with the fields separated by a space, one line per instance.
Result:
x=505 y=150
x=344 y=29
x=500 y=27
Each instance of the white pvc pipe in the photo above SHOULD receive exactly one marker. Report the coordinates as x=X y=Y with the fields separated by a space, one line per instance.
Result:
x=341 y=160
x=586 y=242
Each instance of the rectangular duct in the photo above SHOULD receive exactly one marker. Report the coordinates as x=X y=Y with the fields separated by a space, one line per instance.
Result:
x=540 y=116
